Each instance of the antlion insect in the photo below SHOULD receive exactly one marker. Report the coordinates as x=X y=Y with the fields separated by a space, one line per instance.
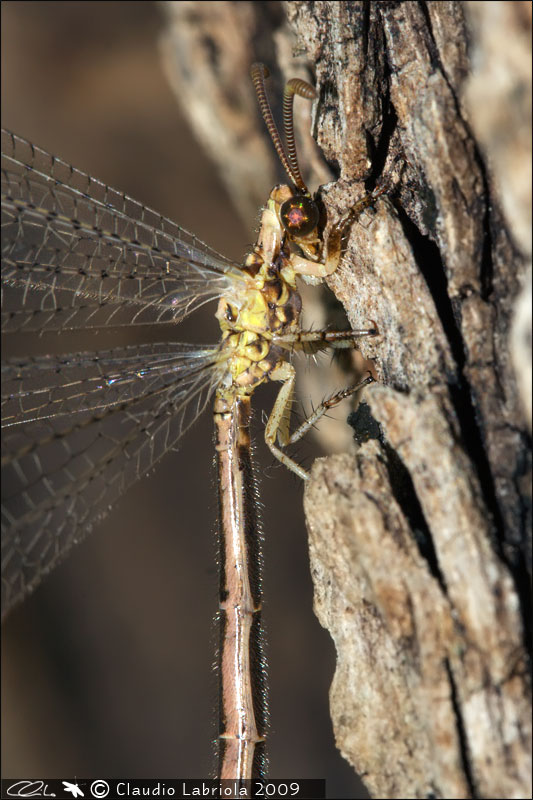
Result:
x=80 y=429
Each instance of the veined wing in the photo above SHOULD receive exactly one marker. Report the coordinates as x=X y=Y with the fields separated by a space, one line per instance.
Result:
x=43 y=387
x=63 y=471
x=78 y=254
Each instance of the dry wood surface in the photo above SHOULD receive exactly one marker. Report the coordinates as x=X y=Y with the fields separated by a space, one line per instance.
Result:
x=419 y=535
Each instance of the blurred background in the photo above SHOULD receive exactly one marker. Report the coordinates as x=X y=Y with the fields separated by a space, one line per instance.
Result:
x=107 y=668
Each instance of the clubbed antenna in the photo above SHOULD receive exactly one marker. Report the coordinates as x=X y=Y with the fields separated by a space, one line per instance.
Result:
x=288 y=159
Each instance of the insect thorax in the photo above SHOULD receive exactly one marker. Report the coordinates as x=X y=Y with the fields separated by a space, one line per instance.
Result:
x=267 y=306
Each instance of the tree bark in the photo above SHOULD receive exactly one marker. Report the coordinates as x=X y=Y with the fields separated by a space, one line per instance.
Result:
x=418 y=539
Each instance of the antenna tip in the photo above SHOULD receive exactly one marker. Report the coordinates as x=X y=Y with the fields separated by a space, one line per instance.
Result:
x=259 y=67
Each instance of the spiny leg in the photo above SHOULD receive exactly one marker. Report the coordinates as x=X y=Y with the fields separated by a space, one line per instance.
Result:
x=336 y=239
x=324 y=406
x=311 y=341
x=337 y=235
x=277 y=426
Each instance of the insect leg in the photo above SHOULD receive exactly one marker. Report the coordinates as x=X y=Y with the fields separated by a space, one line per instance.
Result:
x=312 y=341
x=277 y=426
x=324 y=406
x=336 y=240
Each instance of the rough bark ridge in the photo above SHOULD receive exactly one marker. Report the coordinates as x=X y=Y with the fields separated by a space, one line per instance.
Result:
x=417 y=539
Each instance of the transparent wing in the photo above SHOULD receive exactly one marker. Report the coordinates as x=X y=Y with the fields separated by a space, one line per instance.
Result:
x=78 y=254
x=99 y=423
x=44 y=387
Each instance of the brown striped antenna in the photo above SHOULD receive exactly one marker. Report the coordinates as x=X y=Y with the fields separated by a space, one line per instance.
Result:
x=297 y=86
x=303 y=89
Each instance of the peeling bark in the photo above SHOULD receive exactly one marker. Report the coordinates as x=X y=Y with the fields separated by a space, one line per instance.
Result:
x=419 y=540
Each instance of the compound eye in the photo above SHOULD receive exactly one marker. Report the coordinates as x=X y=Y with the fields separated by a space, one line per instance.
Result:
x=299 y=215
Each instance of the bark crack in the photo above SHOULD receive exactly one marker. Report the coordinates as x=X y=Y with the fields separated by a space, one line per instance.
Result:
x=461 y=732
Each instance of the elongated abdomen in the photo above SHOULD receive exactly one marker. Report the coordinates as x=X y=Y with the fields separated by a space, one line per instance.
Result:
x=242 y=667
